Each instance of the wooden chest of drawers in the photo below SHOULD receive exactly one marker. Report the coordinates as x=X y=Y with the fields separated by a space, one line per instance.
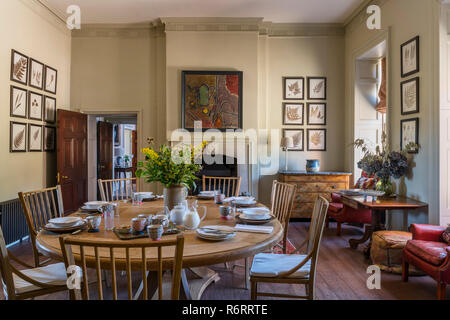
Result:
x=312 y=185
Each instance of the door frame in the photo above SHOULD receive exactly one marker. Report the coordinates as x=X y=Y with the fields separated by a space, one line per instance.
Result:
x=378 y=39
x=139 y=126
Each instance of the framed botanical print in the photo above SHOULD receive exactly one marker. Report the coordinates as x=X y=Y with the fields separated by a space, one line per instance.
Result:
x=317 y=88
x=51 y=79
x=49 y=109
x=17 y=137
x=212 y=100
x=409 y=133
x=293 y=113
x=34 y=106
x=293 y=88
x=49 y=138
x=410 y=54
x=19 y=67
x=18 y=102
x=317 y=114
x=36 y=74
x=297 y=137
x=410 y=96
x=34 y=138
x=317 y=139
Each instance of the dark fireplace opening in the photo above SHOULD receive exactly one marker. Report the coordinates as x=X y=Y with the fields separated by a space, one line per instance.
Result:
x=225 y=168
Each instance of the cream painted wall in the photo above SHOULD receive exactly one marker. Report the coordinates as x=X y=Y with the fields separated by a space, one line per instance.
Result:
x=28 y=27
x=123 y=71
x=405 y=19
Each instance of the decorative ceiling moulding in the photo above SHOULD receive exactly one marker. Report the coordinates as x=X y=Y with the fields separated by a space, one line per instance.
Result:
x=132 y=30
x=48 y=13
x=304 y=30
x=212 y=24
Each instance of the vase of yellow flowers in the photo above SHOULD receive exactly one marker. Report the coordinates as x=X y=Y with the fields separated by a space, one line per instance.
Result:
x=174 y=167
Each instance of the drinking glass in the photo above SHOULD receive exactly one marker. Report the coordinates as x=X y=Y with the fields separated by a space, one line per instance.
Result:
x=116 y=209
x=108 y=217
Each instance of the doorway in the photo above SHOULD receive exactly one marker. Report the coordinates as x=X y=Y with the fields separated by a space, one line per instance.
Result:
x=370 y=104
x=112 y=142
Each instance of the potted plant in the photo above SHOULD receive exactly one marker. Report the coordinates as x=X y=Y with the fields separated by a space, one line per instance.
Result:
x=384 y=164
x=175 y=167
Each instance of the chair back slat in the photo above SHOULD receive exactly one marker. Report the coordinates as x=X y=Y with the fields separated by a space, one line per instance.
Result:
x=117 y=189
x=316 y=228
x=282 y=200
x=230 y=186
x=116 y=250
x=39 y=207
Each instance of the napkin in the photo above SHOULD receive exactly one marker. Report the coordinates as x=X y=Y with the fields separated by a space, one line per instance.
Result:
x=254 y=229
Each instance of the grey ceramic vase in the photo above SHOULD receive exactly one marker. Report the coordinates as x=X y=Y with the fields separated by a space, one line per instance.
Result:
x=174 y=195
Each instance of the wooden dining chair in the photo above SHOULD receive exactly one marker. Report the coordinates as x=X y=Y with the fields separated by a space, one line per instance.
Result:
x=121 y=252
x=292 y=268
x=230 y=186
x=31 y=282
x=117 y=189
x=282 y=200
x=39 y=207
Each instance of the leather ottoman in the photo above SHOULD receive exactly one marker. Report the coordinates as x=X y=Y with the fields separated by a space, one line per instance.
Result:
x=387 y=251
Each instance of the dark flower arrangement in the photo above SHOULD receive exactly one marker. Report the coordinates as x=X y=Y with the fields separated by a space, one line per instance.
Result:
x=383 y=163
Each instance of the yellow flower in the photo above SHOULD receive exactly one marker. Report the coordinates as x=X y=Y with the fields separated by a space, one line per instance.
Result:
x=150 y=153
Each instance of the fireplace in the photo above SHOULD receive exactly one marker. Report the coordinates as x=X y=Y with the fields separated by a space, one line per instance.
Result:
x=225 y=167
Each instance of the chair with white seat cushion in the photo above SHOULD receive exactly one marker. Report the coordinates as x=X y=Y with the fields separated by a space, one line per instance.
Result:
x=292 y=268
x=32 y=282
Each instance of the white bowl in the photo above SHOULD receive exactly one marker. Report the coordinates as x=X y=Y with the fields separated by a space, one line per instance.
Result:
x=65 y=221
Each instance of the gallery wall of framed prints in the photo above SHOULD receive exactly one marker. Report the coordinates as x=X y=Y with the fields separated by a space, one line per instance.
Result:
x=308 y=108
x=410 y=92
x=32 y=104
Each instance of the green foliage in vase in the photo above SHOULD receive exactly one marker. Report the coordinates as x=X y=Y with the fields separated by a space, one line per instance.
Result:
x=171 y=165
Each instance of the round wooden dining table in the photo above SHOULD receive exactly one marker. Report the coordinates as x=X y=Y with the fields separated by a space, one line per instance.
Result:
x=198 y=253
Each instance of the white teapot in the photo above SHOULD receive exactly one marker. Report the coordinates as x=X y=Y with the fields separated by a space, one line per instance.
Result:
x=177 y=214
x=192 y=219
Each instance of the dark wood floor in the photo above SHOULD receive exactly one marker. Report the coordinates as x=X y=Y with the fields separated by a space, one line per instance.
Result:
x=341 y=274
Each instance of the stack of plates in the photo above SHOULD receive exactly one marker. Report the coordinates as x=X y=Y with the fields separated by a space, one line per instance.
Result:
x=93 y=205
x=255 y=215
x=66 y=224
x=351 y=192
x=244 y=201
x=216 y=233
x=206 y=195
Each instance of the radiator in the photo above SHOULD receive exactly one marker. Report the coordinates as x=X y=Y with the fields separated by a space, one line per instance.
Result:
x=12 y=220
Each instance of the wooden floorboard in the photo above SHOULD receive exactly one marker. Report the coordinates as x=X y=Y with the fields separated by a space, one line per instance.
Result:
x=341 y=274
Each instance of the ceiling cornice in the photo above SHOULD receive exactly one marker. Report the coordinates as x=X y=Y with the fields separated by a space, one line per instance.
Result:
x=40 y=7
x=357 y=11
x=212 y=24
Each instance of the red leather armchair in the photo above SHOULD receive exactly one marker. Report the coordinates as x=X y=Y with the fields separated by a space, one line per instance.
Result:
x=427 y=252
x=344 y=214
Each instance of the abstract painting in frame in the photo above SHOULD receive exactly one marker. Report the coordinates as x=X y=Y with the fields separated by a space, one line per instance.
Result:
x=317 y=114
x=293 y=113
x=410 y=96
x=19 y=67
x=317 y=139
x=293 y=88
x=49 y=139
x=212 y=98
x=409 y=133
x=410 y=57
x=317 y=88
x=18 y=102
x=17 y=137
x=297 y=137
x=34 y=138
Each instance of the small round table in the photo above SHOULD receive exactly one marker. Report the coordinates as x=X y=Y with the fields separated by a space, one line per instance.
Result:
x=197 y=254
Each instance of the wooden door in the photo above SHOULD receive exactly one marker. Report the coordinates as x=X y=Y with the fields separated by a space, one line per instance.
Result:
x=105 y=150
x=72 y=159
x=134 y=150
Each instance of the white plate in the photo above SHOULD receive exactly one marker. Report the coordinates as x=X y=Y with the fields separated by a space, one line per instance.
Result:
x=214 y=238
x=261 y=217
x=210 y=235
x=65 y=221
x=58 y=226
x=96 y=204
x=144 y=195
